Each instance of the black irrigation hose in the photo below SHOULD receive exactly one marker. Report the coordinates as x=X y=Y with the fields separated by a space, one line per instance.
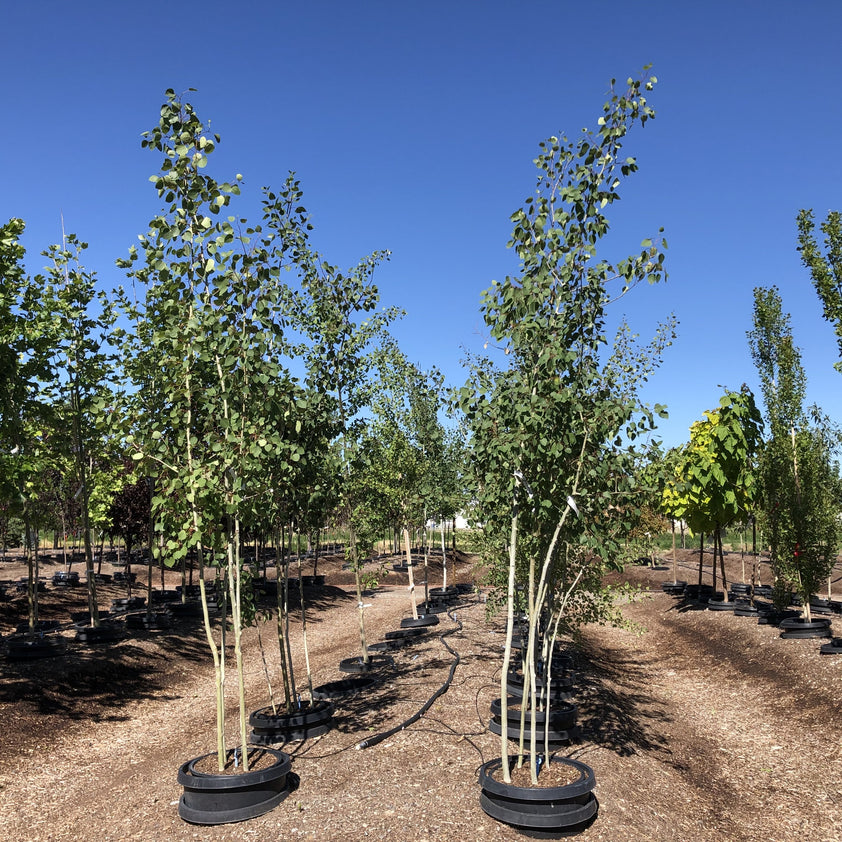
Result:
x=384 y=735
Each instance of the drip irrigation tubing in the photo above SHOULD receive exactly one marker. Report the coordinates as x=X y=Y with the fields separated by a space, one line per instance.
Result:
x=384 y=735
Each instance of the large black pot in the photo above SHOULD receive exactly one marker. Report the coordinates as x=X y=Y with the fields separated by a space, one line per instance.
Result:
x=310 y=720
x=562 y=722
x=105 y=632
x=675 y=588
x=189 y=609
x=344 y=688
x=357 y=666
x=406 y=633
x=820 y=606
x=30 y=648
x=433 y=607
x=420 y=621
x=552 y=810
x=702 y=592
x=447 y=595
x=560 y=688
x=799 y=628
x=23 y=586
x=744 y=608
x=220 y=799
x=134 y=603
x=156 y=621
x=771 y=616
x=719 y=604
x=165 y=596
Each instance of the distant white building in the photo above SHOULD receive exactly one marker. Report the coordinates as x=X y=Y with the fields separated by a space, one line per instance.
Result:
x=460 y=522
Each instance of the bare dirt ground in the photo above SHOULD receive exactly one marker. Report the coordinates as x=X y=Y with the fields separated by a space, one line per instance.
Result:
x=705 y=726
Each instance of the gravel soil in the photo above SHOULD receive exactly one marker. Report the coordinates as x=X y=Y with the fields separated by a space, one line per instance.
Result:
x=699 y=725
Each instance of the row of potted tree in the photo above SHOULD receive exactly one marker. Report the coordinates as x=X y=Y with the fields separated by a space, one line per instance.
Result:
x=229 y=439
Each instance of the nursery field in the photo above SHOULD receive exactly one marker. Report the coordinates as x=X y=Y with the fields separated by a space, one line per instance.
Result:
x=704 y=726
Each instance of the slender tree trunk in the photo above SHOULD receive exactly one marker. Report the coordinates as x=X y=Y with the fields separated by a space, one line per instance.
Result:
x=722 y=563
x=507 y=653
x=149 y=586
x=674 y=561
x=408 y=554
x=715 y=546
x=443 y=557
x=283 y=602
x=701 y=556
x=32 y=576
x=89 y=558
x=161 y=562
x=129 y=568
x=235 y=585
x=304 y=625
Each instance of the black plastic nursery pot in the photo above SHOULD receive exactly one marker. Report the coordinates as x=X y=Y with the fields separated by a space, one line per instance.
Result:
x=720 y=605
x=23 y=586
x=771 y=616
x=561 y=660
x=106 y=632
x=310 y=720
x=344 y=688
x=420 y=621
x=434 y=607
x=548 y=811
x=832 y=647
x=406 y=633
x=165 y=596
x=357 y=666
x=744 y=608
x=674 y=588
x=125 y=603
x=562 y=722
x=188 y=609
x=448 y=595
x=820 y=606
x=32 y=648
x=210 y=799
x=703 y=592
x=797 y=628
x=560 y=687
x=156 y=621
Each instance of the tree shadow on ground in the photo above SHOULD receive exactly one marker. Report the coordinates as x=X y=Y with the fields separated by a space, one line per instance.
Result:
x=616 y=711
x=86 y=684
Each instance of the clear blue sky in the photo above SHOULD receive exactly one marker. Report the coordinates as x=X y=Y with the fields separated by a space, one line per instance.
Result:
x=413 y=127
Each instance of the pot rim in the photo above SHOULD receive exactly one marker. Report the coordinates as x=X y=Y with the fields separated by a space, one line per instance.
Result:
x=188 y=776
x=582 y=786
